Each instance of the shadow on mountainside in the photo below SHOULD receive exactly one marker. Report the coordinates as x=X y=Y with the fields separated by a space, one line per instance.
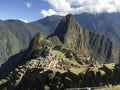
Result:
x=10 y=64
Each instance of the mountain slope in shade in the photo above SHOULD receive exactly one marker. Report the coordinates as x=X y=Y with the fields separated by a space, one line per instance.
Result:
x=38 y=41
x=15 y=36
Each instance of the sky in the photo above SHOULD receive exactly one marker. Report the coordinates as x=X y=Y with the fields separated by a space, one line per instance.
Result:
x=32 y=10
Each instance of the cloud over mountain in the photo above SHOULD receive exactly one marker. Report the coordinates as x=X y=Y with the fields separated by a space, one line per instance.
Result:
x=48 y=13
x=63 y=7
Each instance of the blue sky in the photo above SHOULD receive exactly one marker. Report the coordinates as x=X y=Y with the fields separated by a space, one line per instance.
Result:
x=17 y=9
x=31 y=10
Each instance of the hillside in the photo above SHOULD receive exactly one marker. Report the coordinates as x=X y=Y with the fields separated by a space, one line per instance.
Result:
x=50 y=22
x=73 y=36
x=55 y=70
x=60 y=61
x=16 y=34
x=104 y=23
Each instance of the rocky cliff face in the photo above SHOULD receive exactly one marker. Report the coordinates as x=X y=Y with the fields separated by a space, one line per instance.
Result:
x=73 y=36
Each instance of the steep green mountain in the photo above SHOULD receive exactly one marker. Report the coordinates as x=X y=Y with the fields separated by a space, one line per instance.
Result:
x=107 y=24
x=15 y=36
x=73 y=36
x=69 y=58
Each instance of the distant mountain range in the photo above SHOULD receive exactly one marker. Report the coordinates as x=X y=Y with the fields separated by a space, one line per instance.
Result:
x=15 y=35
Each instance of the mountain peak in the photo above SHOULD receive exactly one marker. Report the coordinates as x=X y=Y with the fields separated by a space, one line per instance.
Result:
x=36 y=40
x=70 y=17
x=73 y=36
x=66 y=23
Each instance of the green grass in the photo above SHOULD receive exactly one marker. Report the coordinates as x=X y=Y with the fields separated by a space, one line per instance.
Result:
x=102 y=72
x=95 y=70
x=62 y=56
x=110 y=66
x=112 y=88
x=78 y=70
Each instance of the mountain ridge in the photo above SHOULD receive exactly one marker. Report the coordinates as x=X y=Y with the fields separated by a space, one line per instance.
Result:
x=110 y=28
x=51 y=64
x=73 y=36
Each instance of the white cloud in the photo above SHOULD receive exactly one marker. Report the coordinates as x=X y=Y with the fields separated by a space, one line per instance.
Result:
x=48 y=13
x=28 y=4
x=63 y=7
x=59 y=5
x=23 y=20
